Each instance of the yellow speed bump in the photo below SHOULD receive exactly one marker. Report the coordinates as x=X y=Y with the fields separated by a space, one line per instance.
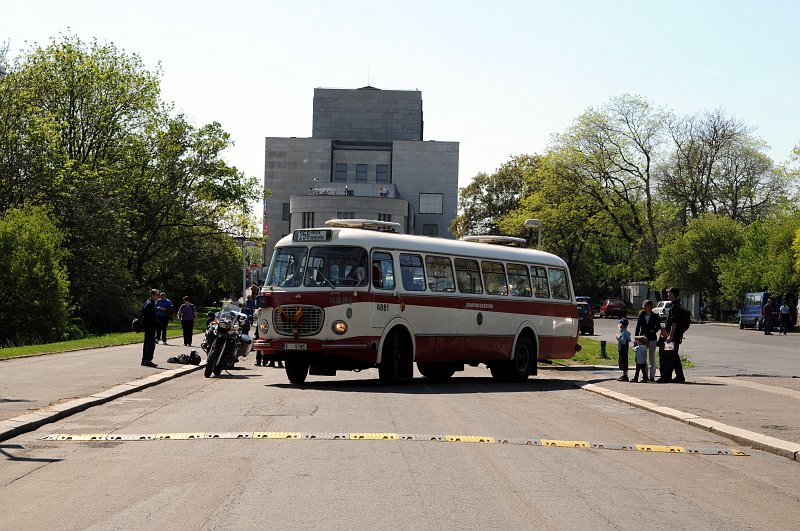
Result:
x=374 y=436
x=565 y=444
x=180 y=436
x=82 y=437
x=469 y=438
x=659 y=448
x=277 y=435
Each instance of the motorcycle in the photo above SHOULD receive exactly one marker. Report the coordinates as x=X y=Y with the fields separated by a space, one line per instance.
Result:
x=226 y=340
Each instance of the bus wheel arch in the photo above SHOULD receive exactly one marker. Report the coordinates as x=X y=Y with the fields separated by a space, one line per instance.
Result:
x=523 y=359
x=527 y=331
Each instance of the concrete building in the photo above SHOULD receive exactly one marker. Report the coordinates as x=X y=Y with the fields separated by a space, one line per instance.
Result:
x=366 y=158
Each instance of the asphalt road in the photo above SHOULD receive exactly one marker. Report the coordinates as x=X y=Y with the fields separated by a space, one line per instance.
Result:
x=724 y=350
x=249 y=484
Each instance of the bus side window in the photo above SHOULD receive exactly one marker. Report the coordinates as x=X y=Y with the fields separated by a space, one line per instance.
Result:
x=468 y=276
x=494 y=276
x=440 y=274
x=519 y=281
x=412 y=272
x=541 y=290
x=558 y=283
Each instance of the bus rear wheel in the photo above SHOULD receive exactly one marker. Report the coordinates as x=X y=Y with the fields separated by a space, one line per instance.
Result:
x=435 y=371
x=519 y=368
x=296 y=370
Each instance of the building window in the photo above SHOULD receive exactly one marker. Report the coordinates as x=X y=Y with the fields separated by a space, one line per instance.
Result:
x=308 y=220
x=286 y=215
x=361 y=173
x=345 y=215
x=340 y=175
x=382 y=173
x=430 y=229
x=384 y=217
x=430 y=203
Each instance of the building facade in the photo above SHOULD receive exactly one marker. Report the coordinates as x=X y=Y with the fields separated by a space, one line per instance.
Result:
x=366 y=158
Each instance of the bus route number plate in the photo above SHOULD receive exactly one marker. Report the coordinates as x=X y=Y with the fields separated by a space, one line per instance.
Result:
x=295 y=346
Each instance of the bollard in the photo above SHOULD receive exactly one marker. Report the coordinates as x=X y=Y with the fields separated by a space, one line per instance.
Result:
x=603 y=350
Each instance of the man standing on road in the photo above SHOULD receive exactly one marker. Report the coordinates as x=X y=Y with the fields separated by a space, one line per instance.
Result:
x=675 y=330
x=766 y=313
x=163 y=314
x=149 y=329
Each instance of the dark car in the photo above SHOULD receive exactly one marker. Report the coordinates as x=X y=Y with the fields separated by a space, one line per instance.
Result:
x=585 y=319
x=613 y=308
x=587 y=300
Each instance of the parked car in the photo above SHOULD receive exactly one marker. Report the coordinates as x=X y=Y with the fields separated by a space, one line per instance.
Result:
x=662 y=310
x=587 y=300
x=585 y=319
x=613 y=308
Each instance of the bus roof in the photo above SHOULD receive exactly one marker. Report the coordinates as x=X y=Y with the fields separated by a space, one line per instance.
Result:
x=371 y=239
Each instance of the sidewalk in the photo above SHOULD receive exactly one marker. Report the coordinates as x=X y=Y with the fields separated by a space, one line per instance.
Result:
x=761 y=412
x=40 y=387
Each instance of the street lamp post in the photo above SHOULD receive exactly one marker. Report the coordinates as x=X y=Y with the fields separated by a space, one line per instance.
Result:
x=245 y=244
x=536 y=223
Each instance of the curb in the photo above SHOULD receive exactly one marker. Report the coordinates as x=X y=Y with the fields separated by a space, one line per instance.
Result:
x=31 y=421
x=787 y=449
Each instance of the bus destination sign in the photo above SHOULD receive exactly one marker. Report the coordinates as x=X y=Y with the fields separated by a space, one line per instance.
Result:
x=316 y=235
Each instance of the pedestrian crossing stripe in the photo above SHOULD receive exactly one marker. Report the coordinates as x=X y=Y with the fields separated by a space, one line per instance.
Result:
x=381 y=436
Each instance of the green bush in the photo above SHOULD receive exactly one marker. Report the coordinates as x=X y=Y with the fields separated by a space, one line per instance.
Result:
x=33 y=280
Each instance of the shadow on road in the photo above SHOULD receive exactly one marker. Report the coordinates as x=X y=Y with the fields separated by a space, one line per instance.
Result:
x=423 y=386
x=604 y=380
x=10 y=457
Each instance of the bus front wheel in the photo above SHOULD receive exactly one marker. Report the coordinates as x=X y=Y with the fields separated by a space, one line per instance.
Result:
x=296 y=370
x=389 y=367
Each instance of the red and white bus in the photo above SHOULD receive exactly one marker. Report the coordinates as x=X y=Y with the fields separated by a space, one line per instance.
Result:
x=347 y=298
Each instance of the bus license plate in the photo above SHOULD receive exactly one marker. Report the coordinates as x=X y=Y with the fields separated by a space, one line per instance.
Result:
x=294 y=346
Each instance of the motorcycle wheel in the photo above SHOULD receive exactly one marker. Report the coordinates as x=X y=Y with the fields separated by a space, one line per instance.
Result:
x=212 y=363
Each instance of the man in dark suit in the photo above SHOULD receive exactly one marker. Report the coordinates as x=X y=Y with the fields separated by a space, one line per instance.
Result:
x=149 y=329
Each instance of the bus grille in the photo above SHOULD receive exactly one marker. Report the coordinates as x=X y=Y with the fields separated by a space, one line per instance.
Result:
x=307 y=320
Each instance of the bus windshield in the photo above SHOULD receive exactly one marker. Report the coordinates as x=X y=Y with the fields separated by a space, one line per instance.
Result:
x=322 y=267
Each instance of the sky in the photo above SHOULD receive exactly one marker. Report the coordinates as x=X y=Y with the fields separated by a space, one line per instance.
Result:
x=499 y=77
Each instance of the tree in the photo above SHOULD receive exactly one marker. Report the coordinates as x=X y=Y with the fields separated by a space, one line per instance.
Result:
x=611 y=156
x=718 y=167
x=33 y=279
x=694 y=260
x=134 y=188
x=488 y=197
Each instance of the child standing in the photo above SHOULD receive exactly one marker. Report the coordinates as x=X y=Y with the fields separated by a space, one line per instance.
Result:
x=623 y=340
x=641 y=358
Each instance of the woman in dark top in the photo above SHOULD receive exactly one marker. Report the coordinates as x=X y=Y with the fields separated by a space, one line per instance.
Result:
x=649 y=324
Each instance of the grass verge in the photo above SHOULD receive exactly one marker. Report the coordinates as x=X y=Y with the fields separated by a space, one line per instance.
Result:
x=590 y=355
x=106 y=340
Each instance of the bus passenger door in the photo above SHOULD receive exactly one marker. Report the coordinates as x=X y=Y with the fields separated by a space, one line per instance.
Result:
x=383 y=285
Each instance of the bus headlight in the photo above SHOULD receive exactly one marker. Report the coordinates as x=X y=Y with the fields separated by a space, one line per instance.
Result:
x=263 y=328
x=339 y=327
